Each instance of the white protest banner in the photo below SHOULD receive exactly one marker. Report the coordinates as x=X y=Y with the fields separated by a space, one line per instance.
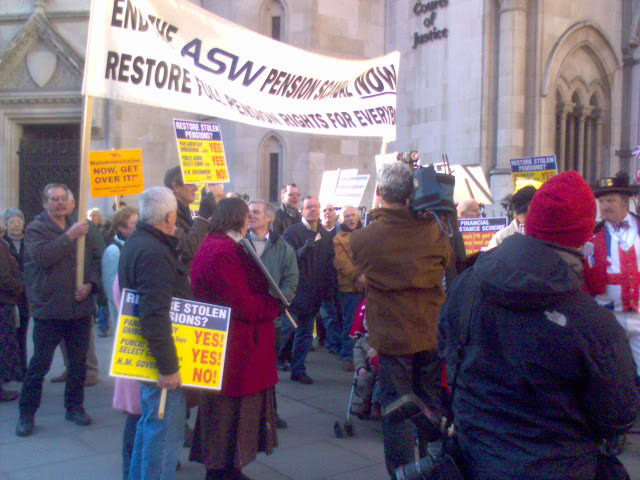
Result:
x=174 y=54
x=350 y=188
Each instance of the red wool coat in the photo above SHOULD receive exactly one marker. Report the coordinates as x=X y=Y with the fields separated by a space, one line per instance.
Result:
x=223 y=273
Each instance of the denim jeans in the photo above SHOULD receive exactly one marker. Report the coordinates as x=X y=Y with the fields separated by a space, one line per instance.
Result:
x=103 y=319
x=350 y=304
x=158 y=442
x=47 y=334
x=420 y=373
x=332 y=324
x=128 y=440
x=303 y=338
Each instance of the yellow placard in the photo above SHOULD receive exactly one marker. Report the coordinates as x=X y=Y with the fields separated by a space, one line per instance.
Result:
x=533 y=171
x=200 y=332
x=201 y=152
x=116 y=173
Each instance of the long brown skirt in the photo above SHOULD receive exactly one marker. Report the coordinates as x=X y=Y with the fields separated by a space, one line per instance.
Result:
x=230 y=431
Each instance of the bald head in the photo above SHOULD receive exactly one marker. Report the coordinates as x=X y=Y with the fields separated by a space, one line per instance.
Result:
x=469 y=209
x=350 y=217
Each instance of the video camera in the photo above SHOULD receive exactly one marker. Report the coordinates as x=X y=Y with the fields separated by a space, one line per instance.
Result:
x=432 y=192
x=437 y=464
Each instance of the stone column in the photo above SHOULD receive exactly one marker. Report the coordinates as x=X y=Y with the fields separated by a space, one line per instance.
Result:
x=562 y=137
x=571 y=163
x=597 y=146
x=582 y=116
x=511 y=92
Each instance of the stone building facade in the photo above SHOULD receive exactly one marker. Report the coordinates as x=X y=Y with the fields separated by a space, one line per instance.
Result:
x=481 y=80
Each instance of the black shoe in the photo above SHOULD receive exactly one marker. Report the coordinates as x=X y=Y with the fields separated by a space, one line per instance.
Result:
x=78 y=416
x=302 y=378
x=24 y=427
x=280 y=423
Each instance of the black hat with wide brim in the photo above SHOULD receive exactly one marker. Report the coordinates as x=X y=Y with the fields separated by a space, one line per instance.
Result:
x=618 y=184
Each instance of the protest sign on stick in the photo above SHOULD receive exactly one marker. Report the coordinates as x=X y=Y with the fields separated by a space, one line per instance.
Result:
x=201 y=152
x=116 y=172
x=200 y=332
x=478 y=232
x=532 y=171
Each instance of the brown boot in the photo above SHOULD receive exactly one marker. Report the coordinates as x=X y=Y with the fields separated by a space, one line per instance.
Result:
x=348 y=366
x=8 y=395
x=376 y=412
x=361 y=411
x=60 y=378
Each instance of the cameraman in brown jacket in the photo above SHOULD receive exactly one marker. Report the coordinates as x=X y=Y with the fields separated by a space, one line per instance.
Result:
x=403 y=259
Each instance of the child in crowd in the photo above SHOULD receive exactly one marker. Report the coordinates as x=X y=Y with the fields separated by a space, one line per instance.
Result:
x=366 y=403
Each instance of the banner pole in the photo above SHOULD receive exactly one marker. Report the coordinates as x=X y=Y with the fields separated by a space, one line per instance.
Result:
x=383 y=150
x=83 y=194
x=163 y=403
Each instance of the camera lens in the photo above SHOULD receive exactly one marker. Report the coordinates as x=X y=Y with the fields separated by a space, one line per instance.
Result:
x=416 y=471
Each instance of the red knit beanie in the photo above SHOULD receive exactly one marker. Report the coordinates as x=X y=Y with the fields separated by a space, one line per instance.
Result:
x=563 y=211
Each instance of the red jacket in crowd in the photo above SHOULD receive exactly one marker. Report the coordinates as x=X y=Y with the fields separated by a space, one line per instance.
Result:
x=223 y=273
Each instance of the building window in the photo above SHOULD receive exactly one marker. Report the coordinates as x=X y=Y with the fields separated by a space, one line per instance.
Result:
x=271 y=161
x=273 y=19
x=580 y=135
x=275 y=28
x=274 y=175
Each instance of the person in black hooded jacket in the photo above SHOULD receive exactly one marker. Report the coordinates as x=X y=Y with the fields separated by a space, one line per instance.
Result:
x=547 y=373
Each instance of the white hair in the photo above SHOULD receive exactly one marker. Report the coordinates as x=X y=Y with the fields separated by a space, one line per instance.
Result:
x=269 y=210
x=155 y=204
x=396 y=182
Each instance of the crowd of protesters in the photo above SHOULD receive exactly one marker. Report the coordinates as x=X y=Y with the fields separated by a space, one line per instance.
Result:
x=540 y=379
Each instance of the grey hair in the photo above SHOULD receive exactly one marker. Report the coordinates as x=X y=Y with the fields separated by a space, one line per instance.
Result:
x=13 y=212
x=269 y=209
x=396 y=183
x=155 y=204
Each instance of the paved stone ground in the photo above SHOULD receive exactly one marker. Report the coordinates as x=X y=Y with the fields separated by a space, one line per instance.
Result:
x=308 y=449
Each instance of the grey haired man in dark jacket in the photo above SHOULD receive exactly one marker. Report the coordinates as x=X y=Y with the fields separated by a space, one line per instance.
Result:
x=60 y=310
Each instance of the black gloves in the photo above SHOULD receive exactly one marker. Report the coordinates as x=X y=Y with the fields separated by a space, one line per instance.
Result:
x=207 y=204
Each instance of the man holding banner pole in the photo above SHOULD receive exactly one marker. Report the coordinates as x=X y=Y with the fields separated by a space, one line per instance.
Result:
x=149 y=263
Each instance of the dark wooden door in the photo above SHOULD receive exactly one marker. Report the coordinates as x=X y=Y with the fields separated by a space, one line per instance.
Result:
x=48 y=154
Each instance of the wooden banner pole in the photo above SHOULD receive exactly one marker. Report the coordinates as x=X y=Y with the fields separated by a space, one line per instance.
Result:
x=383 y=150
x=163 y=404
x=83 y=194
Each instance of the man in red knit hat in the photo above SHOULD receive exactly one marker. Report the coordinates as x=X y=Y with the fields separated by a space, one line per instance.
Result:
x=546 y=373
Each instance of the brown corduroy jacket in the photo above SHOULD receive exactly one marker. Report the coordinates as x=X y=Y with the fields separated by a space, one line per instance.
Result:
x=404 y=260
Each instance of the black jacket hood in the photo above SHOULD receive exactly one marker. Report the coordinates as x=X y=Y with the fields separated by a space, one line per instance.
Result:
x=524 y=273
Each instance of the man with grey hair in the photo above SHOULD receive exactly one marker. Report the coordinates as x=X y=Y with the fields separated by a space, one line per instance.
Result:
x=277 y=255
x=150 y=264
x=403 y=259
x=60 y=308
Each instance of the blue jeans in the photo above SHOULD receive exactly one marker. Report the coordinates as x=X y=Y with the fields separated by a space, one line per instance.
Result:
x=158 y=442
x=332 y=323
x=103 y=319
x=301 y=342
x=350 y=304
x=128 y=441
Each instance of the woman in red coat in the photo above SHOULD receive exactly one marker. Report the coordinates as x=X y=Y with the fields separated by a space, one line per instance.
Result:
x=237 y=423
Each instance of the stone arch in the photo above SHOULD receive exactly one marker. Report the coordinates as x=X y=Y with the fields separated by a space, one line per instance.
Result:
x=581 y=71
x=271 y=161
x=274 y=19
x=580 y=34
